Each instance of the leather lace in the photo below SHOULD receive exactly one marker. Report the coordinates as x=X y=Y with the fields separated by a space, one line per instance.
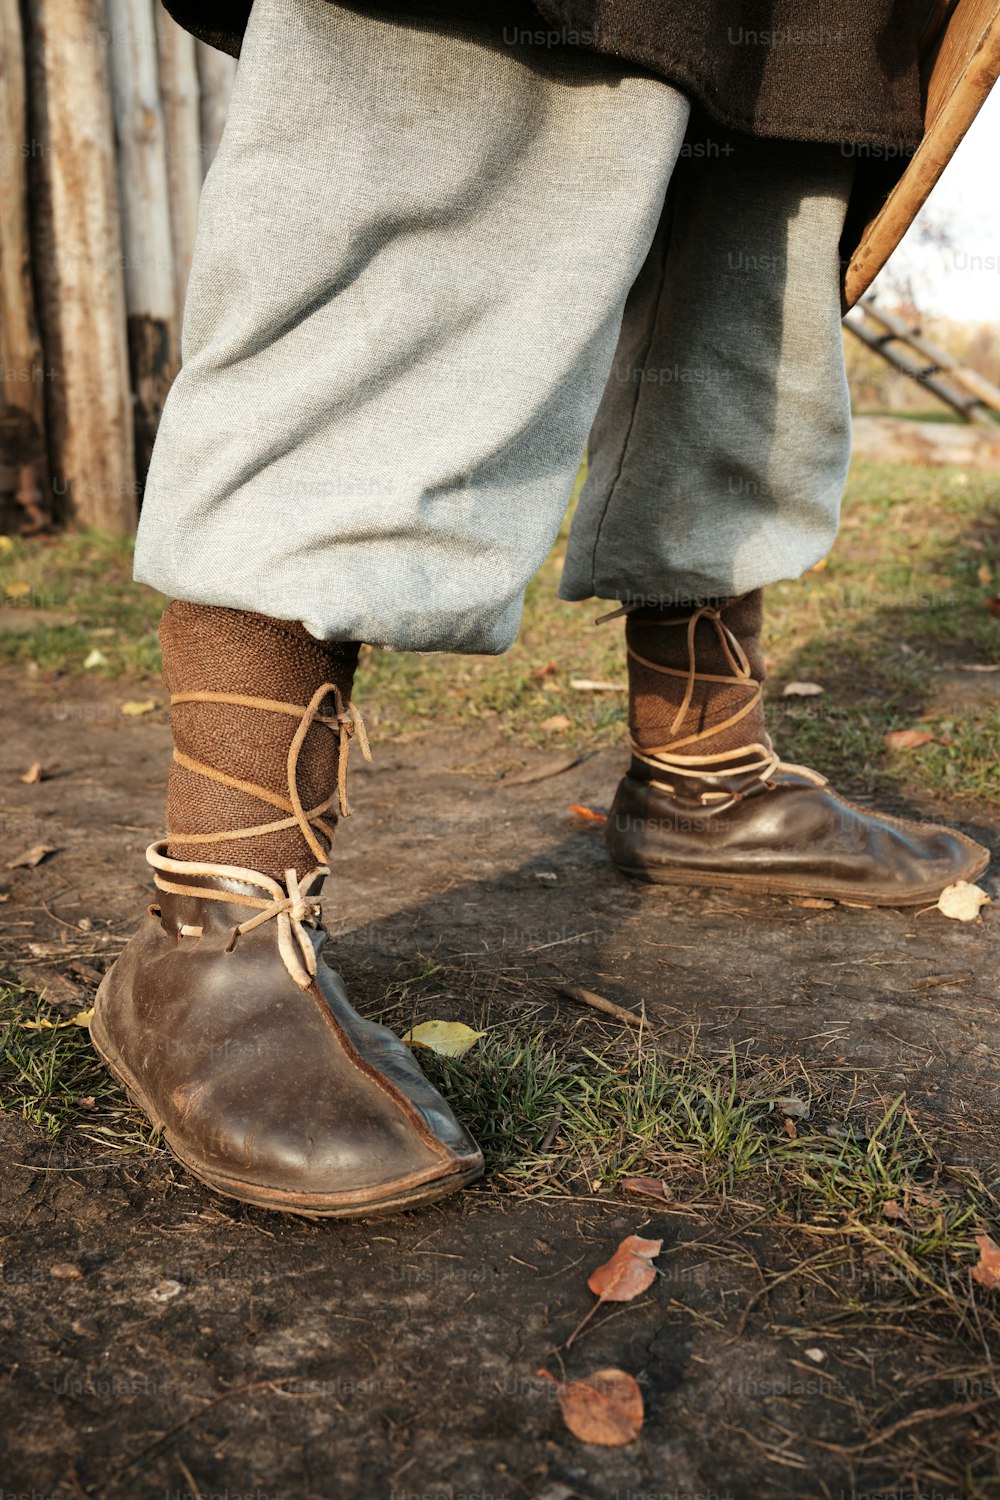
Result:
x=291 y=907
x=757 y=758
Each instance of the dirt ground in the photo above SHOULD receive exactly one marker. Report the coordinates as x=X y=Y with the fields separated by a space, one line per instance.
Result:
x=211 y=1349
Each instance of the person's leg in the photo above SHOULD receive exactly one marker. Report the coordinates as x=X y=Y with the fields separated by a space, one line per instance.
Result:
x=414 y=250
x=717 y=462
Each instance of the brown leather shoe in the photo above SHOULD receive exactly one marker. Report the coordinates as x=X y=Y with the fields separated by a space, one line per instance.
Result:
x=229 y=1031
x=759 y=825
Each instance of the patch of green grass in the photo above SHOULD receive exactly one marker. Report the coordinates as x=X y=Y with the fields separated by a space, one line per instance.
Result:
x=900 y=603
x=54 y=1079
x=79 y=585
x=555 y=1121
x=558 y=1119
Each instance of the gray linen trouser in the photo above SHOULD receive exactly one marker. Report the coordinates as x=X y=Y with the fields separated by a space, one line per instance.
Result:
x=418 y=247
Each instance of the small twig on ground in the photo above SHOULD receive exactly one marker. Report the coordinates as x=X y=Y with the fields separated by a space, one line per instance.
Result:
x=552 y=1131
x=598 y=1002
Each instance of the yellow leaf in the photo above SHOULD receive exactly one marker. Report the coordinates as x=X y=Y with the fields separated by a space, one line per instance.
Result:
x=134 y=707
x=962 y=901
x=6 y=544
x=82 y=1018
x=446 y=1038
x=17 y=590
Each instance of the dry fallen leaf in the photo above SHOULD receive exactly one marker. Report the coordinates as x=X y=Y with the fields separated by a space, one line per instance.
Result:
x=134 y=707
x=906 y=739
x=163 y=1291
x=651 y=1187
x=962 y=901
x=790 y=1129
x=818 y=567
x=65 y=1271
x=595 y=685
x=815 y=903
x=987 y=1269
x=984 y=573
x=95 y=658
x=588 y=813
x=606 y=1408
x=17 y=590
x=558 y=721
x=82 y=1018
x=32 y=856
x=627 y=1274
x=892 y=1210
x=792 y=1105
x=802 y=690
x=993 y=605
x=33 y=774
x=446 y=1038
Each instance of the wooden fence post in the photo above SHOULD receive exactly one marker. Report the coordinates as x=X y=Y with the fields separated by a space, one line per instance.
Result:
x=78 y=263
x=181 y=113
x=216 y=71
x=145 y=211
x=25 y=488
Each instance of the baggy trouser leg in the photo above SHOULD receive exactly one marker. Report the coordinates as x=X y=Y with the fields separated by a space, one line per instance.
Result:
x=414 y=249
x=719 y=453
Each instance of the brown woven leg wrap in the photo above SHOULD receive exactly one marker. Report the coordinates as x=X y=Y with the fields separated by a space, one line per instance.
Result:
x=233 y=651
x=654 y=699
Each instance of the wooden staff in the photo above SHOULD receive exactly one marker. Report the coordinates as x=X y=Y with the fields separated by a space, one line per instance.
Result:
x=145 y=210
x=78 y=263
x=216 y=72
x=23 y=466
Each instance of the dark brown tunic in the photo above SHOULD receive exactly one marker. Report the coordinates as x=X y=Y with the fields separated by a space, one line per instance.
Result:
x=838 y=71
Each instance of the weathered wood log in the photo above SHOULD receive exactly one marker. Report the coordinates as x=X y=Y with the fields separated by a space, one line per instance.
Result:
x=216 y=73
x=25 y=488
x=181 y=115
x=77 y=258
x=145 y=211
x=899 y=441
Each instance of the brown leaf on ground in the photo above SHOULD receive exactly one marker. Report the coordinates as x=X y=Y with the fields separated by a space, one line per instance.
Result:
x=588 y=813
x=650 y=1187
x=987 y=1270
x=558 y=721
x=32 y=856
x=606 y=1408
x=627 y=1274
x=906 y=739
x=33 y=774
x=993 y=605
x=802 y=690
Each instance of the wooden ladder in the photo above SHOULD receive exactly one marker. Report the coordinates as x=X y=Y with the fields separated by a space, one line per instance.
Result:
x=966 y=391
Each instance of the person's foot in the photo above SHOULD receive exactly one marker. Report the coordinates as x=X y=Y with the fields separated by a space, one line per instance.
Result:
x=778 y=829
x=229 y=1031
x=707 y=801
